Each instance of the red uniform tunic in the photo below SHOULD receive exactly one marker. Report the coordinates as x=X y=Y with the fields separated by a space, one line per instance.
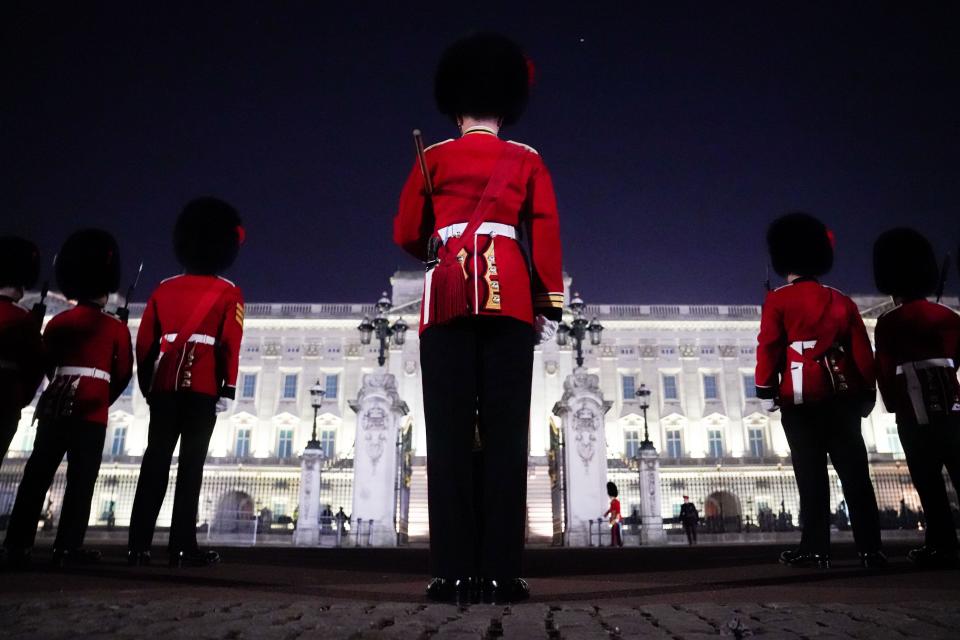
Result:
x=208 y=361
x=21 y=363
x=89 y=350
x=799 y=324
x=499 y=278
x=918 y=351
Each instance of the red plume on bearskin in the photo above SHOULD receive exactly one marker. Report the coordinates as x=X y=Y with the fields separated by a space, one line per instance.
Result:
x=483 y=75
x=207 y=236
x=88 y=265
x=800 y=244
x=904 y=264
x=19 y=262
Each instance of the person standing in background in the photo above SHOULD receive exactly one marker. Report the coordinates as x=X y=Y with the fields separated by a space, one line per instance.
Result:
x=815 y=363
x=614 y=516
x=690 y=519
x=918 y=352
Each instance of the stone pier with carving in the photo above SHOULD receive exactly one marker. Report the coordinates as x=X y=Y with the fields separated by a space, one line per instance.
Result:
x=380 y=411
x=651 y=518
x=581 y=410
x=307 y=533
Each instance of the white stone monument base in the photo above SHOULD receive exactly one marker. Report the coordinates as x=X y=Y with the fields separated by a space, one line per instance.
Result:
x=307 y=533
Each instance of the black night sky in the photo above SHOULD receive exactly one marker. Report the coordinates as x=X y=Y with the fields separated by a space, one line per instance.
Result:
x=674 y=133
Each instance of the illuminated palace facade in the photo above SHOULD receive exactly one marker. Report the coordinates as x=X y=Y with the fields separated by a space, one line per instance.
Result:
x=716 y=444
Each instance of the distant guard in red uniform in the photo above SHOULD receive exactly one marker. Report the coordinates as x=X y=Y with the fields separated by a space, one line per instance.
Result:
x=918 y=351
x=21 y=367
x=614 y=516
x=815 y=363
x=188 y=353
x=483 y=297
x=89 y=361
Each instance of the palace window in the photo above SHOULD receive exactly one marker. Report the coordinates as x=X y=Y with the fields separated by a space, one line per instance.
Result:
x=711 y=389
x=328 y=442
x=629 y=387
x=248 y=386
x=119 y=444
x=631 y=444
x=243 y=443
x=755 y=436
x=715 y=443
x=290 y=386
x=670 y=391
x=674 y=444
x=285 y=443
x=330 y=383
x=893 y=438
x=749 y=386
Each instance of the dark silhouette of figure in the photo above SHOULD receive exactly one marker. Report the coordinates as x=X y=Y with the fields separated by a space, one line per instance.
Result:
x=690 y=519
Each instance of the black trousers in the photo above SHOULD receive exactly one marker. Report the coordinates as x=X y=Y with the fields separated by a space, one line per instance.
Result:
x=82 y=442
x=814 y=432
x=8 y=429
x=691 y=531
x=929 y=448
x=477 y=373
x=190 y=418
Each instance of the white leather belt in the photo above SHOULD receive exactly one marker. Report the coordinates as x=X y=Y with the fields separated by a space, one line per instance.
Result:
x=83 y=372
x=914 y=388
x=199 y=338
x=932 y=363
x=485 y=229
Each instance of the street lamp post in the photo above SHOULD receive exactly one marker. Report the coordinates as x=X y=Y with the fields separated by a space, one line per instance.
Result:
x=643 y=393
x=380 y=325
x=316 y=401
x=578 y=330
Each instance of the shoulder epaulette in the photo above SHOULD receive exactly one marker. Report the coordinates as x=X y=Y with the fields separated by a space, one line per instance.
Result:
x=111 y=315
x=437 y=144
x=834 y=289
x=229 y=282
x=171 y=278
x=783 y=286
x=525 y=146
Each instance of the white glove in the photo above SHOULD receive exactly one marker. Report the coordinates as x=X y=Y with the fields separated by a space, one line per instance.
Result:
x=545 y=328
x=769 y=405
x=223 y=404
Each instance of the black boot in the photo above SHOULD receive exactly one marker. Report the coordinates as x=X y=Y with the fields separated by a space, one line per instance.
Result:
x=505 y=591
x=78 y=556
x=800 y=558
x=933 y=558
x=194 y=558
x=442 y=590
x=873 y=559
x=138 y=558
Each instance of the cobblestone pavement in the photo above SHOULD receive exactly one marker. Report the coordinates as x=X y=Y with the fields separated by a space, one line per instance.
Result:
x=288 y=594
x=202 y=618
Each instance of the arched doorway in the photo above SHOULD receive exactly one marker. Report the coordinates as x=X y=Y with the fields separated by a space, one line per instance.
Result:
x=722 y=512
x=235 y=514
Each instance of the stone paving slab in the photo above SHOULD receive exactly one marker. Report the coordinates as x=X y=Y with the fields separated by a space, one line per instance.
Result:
x=237 y=619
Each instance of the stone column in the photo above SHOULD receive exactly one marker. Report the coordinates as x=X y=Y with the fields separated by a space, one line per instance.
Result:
x=651 y=508
x=375 y=465
x=307 y=533
x=582 y=408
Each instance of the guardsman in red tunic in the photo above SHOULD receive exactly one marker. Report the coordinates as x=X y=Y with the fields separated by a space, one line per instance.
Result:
x=918 y=351
x=814 y=362
x=89 y=361
x=21 y=365
x=188 y=353
x=484 y=296
x=614 y=515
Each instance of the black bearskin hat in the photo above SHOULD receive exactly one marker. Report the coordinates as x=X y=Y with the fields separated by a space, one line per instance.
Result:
x=88 y=265
x=904 y=264
x=485 y=74
x=612 y=490
x=19 y=262
x=207 y=236
x=800 y=244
